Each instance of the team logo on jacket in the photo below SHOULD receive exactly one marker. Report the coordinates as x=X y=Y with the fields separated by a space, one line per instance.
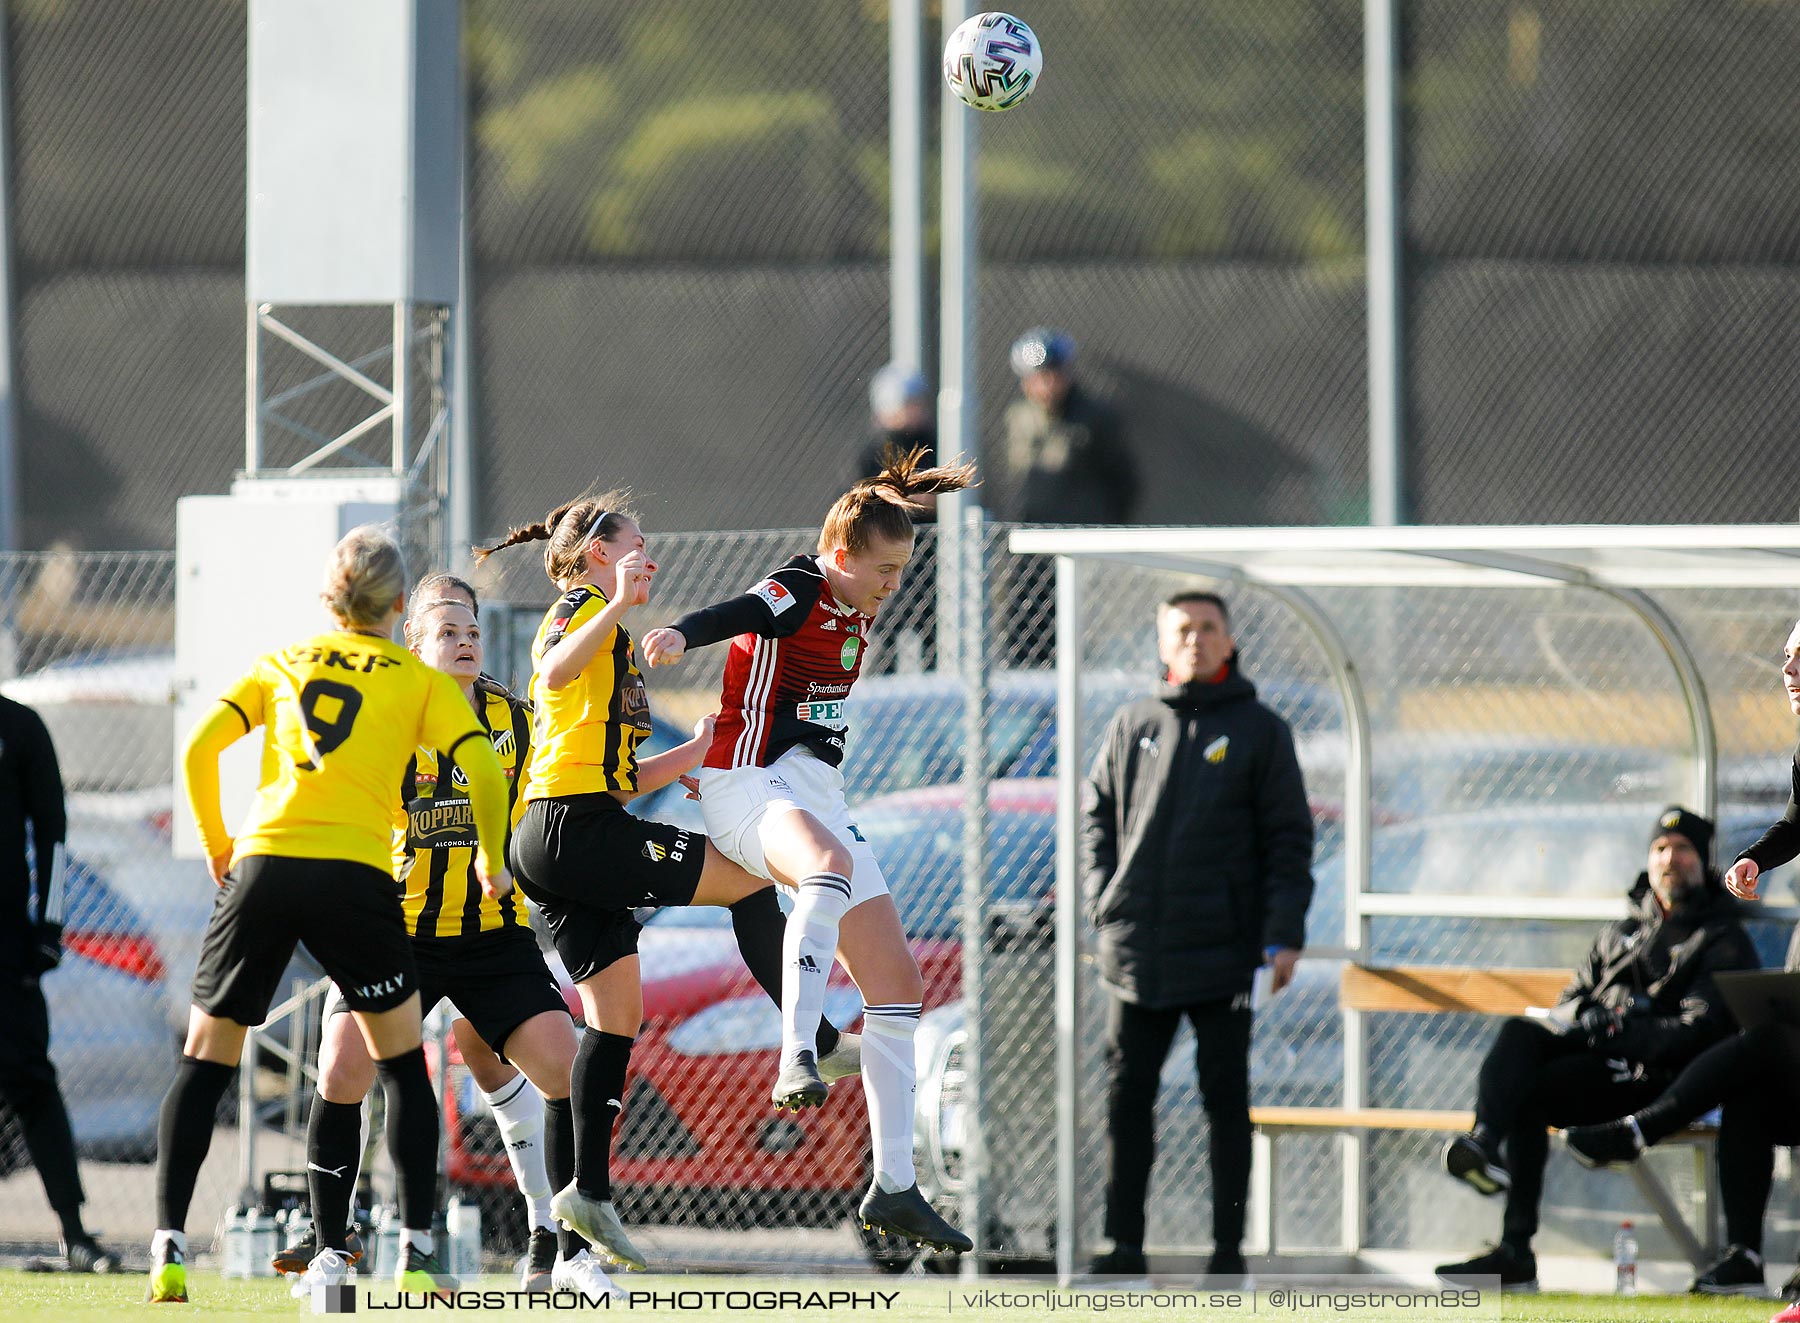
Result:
x=1215 y=752
x=777 y=598
x=503 y=741
x=847 y=655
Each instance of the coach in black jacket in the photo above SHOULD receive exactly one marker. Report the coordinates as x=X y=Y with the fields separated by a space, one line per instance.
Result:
x=1642 y=1005
x=1196 y=861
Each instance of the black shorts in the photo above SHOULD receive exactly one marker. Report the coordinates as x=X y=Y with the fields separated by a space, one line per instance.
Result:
x=497 y=980
x=347 y=914
x=587 y=864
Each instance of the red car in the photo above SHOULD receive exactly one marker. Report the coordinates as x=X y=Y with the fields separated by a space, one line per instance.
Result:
x=699 y=1141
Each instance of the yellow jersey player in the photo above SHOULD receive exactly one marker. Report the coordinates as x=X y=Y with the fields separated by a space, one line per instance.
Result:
x=585 y=862
x=476 y=950
x=341 y=712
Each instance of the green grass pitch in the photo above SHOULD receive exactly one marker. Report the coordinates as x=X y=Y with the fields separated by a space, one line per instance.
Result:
x=53 y=1297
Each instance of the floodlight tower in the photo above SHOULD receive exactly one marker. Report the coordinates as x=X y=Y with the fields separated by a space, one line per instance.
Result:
x=354 y=213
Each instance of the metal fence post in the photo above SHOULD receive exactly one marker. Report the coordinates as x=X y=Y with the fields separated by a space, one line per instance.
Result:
x=975 y=872
x=1069 y=624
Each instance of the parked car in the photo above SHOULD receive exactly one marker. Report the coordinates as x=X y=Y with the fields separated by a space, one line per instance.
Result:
x=110 y=1040
x=111 y=717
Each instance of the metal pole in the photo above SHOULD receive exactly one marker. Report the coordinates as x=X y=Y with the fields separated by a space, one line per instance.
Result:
x=247 y=1122
x=403 y=395
x=460 y=517
x=253 y=388
x=906 y=168
x=1068 y=909
x=1382 y=211
x=9 y=411
x=975 y=872
x=1353 y=1205
x=1703 y=784
x=958 y=280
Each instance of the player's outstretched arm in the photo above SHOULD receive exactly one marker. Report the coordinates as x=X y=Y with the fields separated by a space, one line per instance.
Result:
x=565 y=661
x=1740 y=879
x=664 y=647
x=673 y=764
x=487 y=803
x=222 y=726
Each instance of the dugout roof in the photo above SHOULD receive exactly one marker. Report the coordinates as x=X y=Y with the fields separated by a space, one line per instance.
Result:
x=1632 y=556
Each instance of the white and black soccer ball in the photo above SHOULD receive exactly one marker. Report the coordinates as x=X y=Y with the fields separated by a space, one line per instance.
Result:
x=993 y=61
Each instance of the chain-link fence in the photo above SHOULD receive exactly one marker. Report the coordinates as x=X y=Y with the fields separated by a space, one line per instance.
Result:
x=1522 y=742
x=680 y=238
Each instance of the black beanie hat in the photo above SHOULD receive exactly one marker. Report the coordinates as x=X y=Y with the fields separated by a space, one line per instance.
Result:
x=1684 y=822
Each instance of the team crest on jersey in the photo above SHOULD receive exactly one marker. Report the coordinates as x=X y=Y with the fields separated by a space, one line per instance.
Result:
x=503 y=741
x=655 y=853
x=777 y=598
x=847 y=655
x=1215 y=752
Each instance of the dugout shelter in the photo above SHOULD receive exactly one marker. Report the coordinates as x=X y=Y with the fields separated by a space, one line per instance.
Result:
x=1646 y=657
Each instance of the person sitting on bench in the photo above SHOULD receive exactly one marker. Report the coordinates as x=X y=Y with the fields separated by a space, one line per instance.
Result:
x=1642 y=1005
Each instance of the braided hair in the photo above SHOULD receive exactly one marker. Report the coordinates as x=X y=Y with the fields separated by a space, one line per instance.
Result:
x=568 y=529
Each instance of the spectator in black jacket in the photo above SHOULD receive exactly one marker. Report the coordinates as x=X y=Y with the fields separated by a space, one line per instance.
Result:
x=1641 y=1007
x=1064 y=460
x=30 y=947
x=1196 y=862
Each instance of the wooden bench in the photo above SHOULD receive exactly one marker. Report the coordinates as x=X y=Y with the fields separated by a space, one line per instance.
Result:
x=1435 y=990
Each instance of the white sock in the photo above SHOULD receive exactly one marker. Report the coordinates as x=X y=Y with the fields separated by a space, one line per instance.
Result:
x=419 y=1240
x=518 y=1110
x=890 y=1075
x=161 y=1238
x=808 y=946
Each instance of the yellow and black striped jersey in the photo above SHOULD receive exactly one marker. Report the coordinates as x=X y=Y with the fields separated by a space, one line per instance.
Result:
x=586 y=733
x=342 y=713
x=435 y=850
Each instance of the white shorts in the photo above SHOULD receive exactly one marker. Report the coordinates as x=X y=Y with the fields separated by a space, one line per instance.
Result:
x=739 y=803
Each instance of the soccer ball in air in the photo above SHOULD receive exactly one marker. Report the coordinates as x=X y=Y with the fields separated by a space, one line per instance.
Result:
x=993 y=61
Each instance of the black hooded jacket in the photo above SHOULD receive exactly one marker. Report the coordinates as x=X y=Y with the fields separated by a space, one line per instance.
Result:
x=1196 y=845
x=1658 y=970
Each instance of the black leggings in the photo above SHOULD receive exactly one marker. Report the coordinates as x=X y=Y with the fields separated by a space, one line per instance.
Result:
x=1755 y=1077
x=1532 y=1079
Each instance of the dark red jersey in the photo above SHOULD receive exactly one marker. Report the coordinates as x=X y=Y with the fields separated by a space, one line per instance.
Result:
x=795 y=652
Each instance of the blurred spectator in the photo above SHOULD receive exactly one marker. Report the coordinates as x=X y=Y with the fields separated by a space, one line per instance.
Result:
x=1065 y=458
x=31 y=792
x=900 y=418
